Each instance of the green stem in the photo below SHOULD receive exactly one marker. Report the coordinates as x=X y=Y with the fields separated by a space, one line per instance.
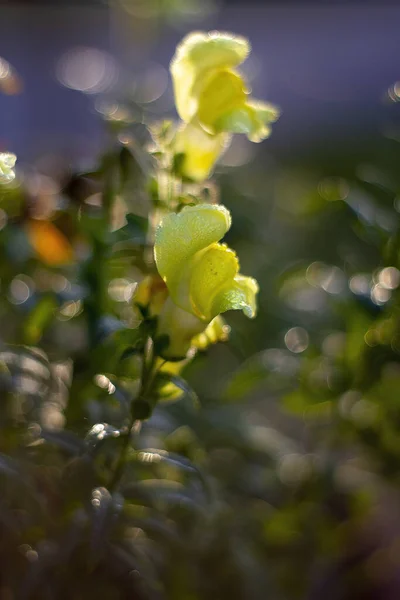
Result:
x=95 y=302
x=146 y=378
x=120 y=467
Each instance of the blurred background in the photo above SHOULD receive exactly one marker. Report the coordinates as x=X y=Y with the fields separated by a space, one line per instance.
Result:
x=330 y=65
x=299 y=432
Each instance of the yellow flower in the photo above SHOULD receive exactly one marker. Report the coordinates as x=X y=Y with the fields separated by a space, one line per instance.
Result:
x=7 y=163
x=183 y=329
x=202 y=275
x=216 y=331
x=200 y=150
x=151 y=293
x=211 y=93
x=180 y=327
x=196 y=56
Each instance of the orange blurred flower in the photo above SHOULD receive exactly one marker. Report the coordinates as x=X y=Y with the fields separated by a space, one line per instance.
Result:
x=49 y=243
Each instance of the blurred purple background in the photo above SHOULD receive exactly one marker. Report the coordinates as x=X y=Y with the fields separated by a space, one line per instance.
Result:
x=331 y=67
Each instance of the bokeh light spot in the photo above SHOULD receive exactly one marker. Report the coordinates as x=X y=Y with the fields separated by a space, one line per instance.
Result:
x=20 y=289
x=360 y=284
x=151 y=84
x=121 y=290
x=380 y=295
x=333 y=188
x=297 y=339
x=389 y=278
x=87 y=70
x=294 y=468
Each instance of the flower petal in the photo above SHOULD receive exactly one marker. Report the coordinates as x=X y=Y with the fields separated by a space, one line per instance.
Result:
x=201 y=275
x=180 y=326
x=216 y=331
x=221 y=92
x=179 y=237
x=240 y=294
x=200 y=150
x=200 y=52
x=212 y=270
x=252 y=118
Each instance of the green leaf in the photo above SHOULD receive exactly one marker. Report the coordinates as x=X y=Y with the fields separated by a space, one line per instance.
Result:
x=177 y=163
x=129 y=340
x=135 y=230
x=39 y=318
x=303 y=403
x=247 y=379
x=129 y=352
x=103 y=513
x=64 y=440
x=163 y=494
x=181 y=384
x=161 y=343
